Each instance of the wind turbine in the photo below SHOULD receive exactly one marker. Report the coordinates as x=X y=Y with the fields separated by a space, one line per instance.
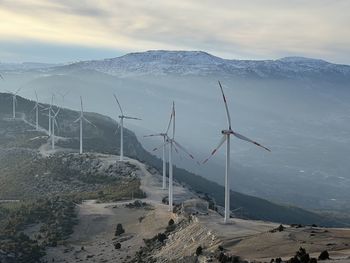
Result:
x=63 y=95
x=226 y=137
x=81 y=119
x=54 y=123
x=36 y=108
x=49 y=114
x=173 y=145
x=165 y=138
x=14 y=102
x=122 y=117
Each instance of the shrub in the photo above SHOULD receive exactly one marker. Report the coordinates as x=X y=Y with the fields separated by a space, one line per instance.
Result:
x=119 y=230
x=324 y=255
x=199 y=250
x=161 y=237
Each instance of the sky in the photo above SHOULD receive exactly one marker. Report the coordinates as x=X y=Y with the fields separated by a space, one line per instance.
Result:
x=69 y=30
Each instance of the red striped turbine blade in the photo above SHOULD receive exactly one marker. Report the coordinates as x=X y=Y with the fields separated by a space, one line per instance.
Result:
x=160 y=146
x=171 y=117
x=226 y=107
x=120 y=107
x=223 y=139
x=240 y=136
x=183 y=149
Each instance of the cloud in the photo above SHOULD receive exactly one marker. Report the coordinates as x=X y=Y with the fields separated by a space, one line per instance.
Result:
x=233 y=28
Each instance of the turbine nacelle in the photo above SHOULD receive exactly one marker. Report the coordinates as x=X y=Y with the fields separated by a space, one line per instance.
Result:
x=227 y=132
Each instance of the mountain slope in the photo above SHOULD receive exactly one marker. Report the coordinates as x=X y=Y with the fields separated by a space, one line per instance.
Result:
x=161 y=62
x=103 y=139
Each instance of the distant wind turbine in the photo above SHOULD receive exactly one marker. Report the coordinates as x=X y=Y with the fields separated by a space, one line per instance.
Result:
x=54 y=123
x=165 y=139
x=226 y=137
x=36 y=108
x=173 y=145
x=63 y=95
x=14 y=101
x=122 y=117
x=49 y=113
x=81 y=119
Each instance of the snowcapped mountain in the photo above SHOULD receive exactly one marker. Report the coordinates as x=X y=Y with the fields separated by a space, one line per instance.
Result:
x=160 y=62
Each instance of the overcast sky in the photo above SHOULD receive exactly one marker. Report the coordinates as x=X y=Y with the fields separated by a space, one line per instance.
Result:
x=71 y=30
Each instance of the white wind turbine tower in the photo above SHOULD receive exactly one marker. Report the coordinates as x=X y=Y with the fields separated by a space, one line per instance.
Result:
x=81 y=119
x=14 y=102
x=49 y=113
x=54 y=123
x=173 y=145
x=122 y=117
x=36 y=108
x=226 y=137
x=165 y=139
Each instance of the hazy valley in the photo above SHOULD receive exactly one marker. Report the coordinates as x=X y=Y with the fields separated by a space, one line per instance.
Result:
x=297 y=106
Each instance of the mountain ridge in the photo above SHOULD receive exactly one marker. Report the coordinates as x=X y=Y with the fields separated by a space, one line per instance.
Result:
x=161 y=62
x=179 y=62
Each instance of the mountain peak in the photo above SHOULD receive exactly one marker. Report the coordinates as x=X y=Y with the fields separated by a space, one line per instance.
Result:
x=296 y=59
x=173 y=56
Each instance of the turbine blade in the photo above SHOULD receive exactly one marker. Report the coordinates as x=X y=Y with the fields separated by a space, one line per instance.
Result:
x=183 y=149
x=132 y=118
x=77 y=119
x=223 y=139
x=226 y=107
x=36 y=95
x=81 y=104
x=85 y=119
x=120 y=107
x=152 y=135
x=240 y=136
x=171 y=117
x=1 y=77
x=160 y=146
x=36 y=105
x=57 y=112
x=55 y=122
x=18 y=90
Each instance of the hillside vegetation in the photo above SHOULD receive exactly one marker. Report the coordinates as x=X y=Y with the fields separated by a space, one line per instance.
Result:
x=103 y=139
